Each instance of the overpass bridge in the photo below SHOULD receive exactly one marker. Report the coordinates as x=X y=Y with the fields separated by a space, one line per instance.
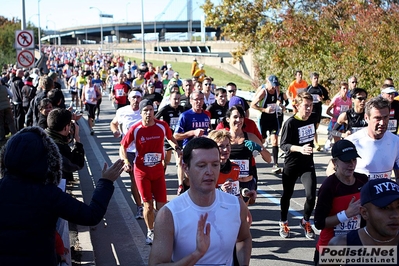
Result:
x=126 y=30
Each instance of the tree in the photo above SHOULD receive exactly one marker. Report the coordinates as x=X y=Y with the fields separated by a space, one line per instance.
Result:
x=8 y=52
x=335 y=38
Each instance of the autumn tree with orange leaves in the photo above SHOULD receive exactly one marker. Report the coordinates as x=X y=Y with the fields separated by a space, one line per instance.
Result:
x=335 y=38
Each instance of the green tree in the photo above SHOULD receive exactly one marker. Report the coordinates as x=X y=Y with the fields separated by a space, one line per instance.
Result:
x=335 y=38
x=8 y=27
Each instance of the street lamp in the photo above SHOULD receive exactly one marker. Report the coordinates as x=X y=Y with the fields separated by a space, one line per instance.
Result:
x=101 y=25
x=142 y=32
x=55 y=26
x=155 y=28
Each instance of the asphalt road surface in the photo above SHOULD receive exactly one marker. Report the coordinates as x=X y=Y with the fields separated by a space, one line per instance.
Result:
x=120 y=239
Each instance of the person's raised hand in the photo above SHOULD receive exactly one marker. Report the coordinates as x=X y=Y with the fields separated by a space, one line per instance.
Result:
x=353 y=208
x=252 y=146
x=203 y=235
x=112 y=173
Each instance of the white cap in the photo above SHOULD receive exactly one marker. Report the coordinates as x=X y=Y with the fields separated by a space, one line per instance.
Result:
x=389 y=90
x=135 y=93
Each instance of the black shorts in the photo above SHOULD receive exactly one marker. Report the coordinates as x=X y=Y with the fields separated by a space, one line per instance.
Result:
x=268 y=123
x=251 y=185
x=167 y=145
x=315 y=117
x=91 y=109
x=131 y=156
x=73 y=91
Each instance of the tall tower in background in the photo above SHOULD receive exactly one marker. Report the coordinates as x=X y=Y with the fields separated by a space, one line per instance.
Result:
x=190 y=20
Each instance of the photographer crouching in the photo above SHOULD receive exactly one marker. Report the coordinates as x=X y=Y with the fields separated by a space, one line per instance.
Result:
x=63 y=130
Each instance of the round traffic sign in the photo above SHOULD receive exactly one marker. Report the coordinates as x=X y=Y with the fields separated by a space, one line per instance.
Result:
x=24 y=39
x=25 y=58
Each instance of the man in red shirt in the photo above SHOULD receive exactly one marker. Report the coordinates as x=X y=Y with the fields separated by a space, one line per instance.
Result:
x=148 y=136
x=120 y=91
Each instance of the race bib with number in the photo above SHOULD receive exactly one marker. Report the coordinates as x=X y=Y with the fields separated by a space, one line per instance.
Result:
x=344 y=108
x=235 y=188
x=392 y=125
x=379 y=175
x=343 y=228
x=244 y=167
x=306 y=133
x=152 y=159
x=315 y=98
x=272 y=106
x=173 y=122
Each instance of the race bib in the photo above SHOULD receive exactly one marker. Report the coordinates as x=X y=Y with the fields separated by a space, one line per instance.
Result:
x=306 y=133
x=213 y=121
x=152 y=159
x=392 y=125
x=173 y=122
x=344 y=108
x=315 y=98
x=380 y=175
x=235 y=188
x=298 y=91
x=244 y=167
x=272 y=106
x=343 y=228
x=120 y=93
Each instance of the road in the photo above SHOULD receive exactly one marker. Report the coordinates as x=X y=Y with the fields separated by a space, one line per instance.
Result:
x=120 y=239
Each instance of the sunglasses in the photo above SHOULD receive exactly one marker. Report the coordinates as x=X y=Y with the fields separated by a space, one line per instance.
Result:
x=361 y=98
x=207 y=84
x=231 y=91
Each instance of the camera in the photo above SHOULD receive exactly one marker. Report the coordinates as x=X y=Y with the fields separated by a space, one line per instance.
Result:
x=71 y=135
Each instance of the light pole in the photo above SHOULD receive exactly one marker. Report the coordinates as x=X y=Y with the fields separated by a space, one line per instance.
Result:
x=55 y=26
x=39 y=30
x=128 y=3
x=142 y=32
x=155 y=28
x=101 y=25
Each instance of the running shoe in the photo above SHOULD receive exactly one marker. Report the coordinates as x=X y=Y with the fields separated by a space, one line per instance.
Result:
x=139 y=213
x=284 y=229
x=317 y=147
x=91 y=132
x=150 y=237
x=307 y=228
x=276 y=170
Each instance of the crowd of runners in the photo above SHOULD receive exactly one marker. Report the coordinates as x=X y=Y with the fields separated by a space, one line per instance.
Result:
x=158 y=115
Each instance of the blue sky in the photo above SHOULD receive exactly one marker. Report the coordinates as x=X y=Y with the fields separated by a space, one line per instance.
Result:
x=56 y=14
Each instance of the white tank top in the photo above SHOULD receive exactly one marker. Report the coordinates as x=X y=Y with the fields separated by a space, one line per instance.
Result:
x=90 y=95
x=224 y=218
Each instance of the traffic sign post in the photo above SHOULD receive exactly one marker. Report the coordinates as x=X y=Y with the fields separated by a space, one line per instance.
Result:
x=25 y=58
x=24 y=39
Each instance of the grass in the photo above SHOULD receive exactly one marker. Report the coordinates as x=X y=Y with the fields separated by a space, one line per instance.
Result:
x=221 y=78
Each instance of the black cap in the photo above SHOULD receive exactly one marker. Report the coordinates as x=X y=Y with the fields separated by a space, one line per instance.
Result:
x=145 y=103
x=344 y=150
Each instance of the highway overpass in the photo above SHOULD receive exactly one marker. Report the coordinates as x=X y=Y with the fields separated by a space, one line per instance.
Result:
x=78 y=34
